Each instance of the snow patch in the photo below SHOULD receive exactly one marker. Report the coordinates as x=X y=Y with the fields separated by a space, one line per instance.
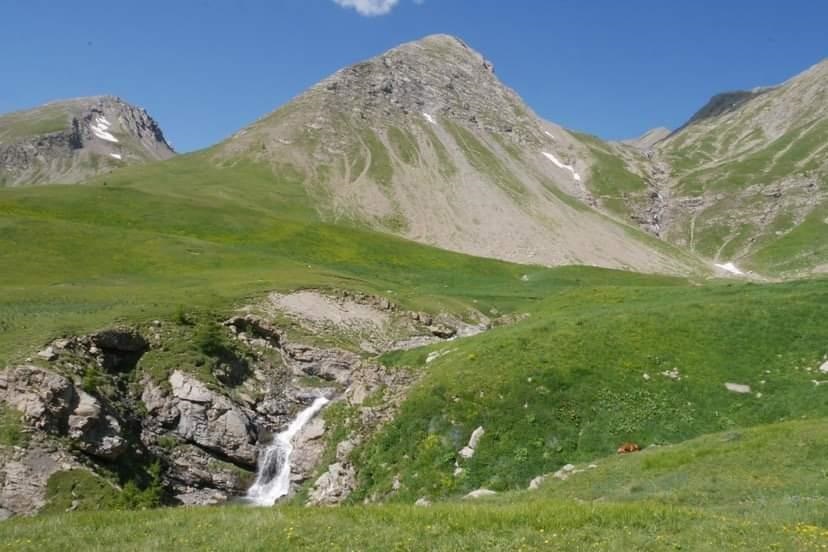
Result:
x=115 y=156
x=560 y=165
x=549 y=134
x=730 y=267
x=429 y=118
x=101 y=129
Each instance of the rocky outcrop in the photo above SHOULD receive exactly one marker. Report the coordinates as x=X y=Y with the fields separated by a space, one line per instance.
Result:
x=103 y=399
x=52 y=403
x=24 y=473
x=198 y=478
x=95 y=431
x=204 y=418
x=44 y=398
x=338 y=481
x=334 y=485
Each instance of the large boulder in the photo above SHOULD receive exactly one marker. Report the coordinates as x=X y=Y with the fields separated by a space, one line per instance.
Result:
x=43 y=397
x=334 y=485
x=205 y=418
x=50 y=402
x=96 y=432
x=191 y=471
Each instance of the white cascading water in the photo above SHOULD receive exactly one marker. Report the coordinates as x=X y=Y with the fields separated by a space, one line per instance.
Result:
x=273 y=476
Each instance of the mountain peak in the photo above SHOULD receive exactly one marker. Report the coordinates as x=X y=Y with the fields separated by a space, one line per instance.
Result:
x=74 y=139
x=426 y=142
x=444 y=44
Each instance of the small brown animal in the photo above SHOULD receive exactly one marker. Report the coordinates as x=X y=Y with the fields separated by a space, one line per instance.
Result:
x=627 y=448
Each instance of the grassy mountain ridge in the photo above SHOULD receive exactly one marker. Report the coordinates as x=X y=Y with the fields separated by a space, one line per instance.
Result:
x=742 y=181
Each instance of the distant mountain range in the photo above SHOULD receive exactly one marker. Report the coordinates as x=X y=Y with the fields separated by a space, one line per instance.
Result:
x=425 y=142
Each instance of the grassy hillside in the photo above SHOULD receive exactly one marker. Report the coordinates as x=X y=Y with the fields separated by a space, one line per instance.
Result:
x=774 y=474
x=757 y=175
x=137 y=244
x=596 y=366
x=603 y=357
x=760 y=489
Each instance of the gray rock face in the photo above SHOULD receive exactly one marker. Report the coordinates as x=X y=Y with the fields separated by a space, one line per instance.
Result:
x=50 y=402
x=439 y=74
x=330 y=364
x=334 y=485
x=206 y=419
x=193 y=473
x=95 y=431
x=44 y=398
x=24 y=474
x=308 y=448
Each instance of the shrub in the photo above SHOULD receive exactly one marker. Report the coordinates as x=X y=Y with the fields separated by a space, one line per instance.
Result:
x=134 y=498
x=208 y=339
x=11 y=427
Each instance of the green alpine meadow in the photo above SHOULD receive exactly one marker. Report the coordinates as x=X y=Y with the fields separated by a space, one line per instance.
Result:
x=402 y=311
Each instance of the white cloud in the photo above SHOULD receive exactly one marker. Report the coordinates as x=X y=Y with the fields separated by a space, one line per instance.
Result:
x=369 y=7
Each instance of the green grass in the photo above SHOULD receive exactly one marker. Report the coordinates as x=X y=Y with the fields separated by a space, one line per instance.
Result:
x=804 y=246
x=753 y=489
x=484 y=160
x=611 y=181
x=775 y=473
x=11 y=427
x=45 y=120
x=568 y=384
x=187 y=240
x=536 y=525
x=76 y=258
x=404 y=144
x=380 y=170
x=87 y=490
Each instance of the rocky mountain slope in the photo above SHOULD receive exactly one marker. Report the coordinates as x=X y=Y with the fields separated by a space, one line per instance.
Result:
x=425 y=142
x=73 y=140
x=743 y=182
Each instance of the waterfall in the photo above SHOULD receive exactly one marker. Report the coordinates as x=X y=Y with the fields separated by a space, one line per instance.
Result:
x=273 y=476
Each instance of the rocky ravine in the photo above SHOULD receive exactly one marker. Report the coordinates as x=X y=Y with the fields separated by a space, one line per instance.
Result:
x=110 y=401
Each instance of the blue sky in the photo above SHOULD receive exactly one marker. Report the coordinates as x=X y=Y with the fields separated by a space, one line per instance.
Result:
x=205 y=68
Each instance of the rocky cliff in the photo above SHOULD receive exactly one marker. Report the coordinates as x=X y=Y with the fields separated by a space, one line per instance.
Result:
x=202 y=400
